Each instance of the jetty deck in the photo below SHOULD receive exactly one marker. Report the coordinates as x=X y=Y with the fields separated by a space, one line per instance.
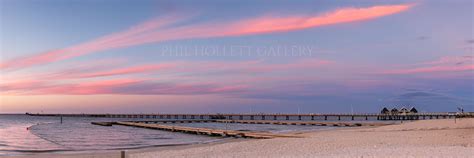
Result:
x=314 y=123
x=202 y=131
x=160 y=125
x=275 y=116
x=172 y=121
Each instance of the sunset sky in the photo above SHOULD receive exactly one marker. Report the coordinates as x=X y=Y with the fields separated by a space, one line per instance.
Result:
x=147 y=56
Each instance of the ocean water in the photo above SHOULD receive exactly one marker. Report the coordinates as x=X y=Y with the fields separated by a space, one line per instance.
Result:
x=47 y=134
x=23 y=134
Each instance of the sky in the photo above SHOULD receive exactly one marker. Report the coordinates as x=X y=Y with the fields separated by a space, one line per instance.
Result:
x=237 y=56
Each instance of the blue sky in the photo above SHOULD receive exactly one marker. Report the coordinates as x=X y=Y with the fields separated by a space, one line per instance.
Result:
x=365 y=54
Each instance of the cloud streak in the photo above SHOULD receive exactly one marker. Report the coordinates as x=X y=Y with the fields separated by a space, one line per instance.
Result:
x=269 y=24
x=74 y=74
x=77 y=81
x=444 y=64
x=103 y=43
x=432 y=69
x=117 y=86
x=277 y=24
x=153 y=31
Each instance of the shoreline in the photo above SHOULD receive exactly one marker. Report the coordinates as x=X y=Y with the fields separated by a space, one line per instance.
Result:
x=423 y=138
x=113 y=153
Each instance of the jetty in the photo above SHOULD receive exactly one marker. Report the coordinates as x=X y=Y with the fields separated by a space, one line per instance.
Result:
x=276 y=116
x=168 y=122
x=171 y=125
x=201 y=131
x=313 y=123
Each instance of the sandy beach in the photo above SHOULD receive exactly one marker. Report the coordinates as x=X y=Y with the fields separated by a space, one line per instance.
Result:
x=424 y=138
x=427 y=138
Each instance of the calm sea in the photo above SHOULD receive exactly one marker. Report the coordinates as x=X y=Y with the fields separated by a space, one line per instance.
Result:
x=23 y=134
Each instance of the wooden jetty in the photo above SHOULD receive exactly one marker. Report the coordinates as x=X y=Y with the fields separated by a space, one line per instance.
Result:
x=203 y=131
x=172 y=121
x=314 y=123
x=160 y=125
x=271 y=116
x=103 y=123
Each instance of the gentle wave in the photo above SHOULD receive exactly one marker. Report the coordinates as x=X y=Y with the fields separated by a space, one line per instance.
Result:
x=25 y=151
x=48 y=134
x=35 y=151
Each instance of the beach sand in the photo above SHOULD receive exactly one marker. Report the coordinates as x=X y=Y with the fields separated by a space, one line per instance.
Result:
x=424 y=138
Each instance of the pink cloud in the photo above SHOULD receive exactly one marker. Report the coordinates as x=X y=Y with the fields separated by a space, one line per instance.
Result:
x=364 y=84
x=268 y=24
x=231 y=88
x=152 y=31
x=175 y=70
x=77 y=81
x=114 y=72
x=304 y=64
x=103 y=43
x=450 y=60
x=48 y=87
x=129 y=70
x=19 y=85
x=444 y=64
x=251 y=66
x=96 y=87
x=433 y=69
x=344 y=15
x=116 y=86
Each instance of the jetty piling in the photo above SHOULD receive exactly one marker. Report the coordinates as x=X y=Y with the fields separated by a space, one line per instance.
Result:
x=122 y=154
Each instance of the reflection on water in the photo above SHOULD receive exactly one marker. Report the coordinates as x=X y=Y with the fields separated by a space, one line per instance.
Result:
x=15 y=137
x=84 y=136
x=47 y=134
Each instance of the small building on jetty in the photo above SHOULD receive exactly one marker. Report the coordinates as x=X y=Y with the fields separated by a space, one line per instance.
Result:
x=395 y=111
